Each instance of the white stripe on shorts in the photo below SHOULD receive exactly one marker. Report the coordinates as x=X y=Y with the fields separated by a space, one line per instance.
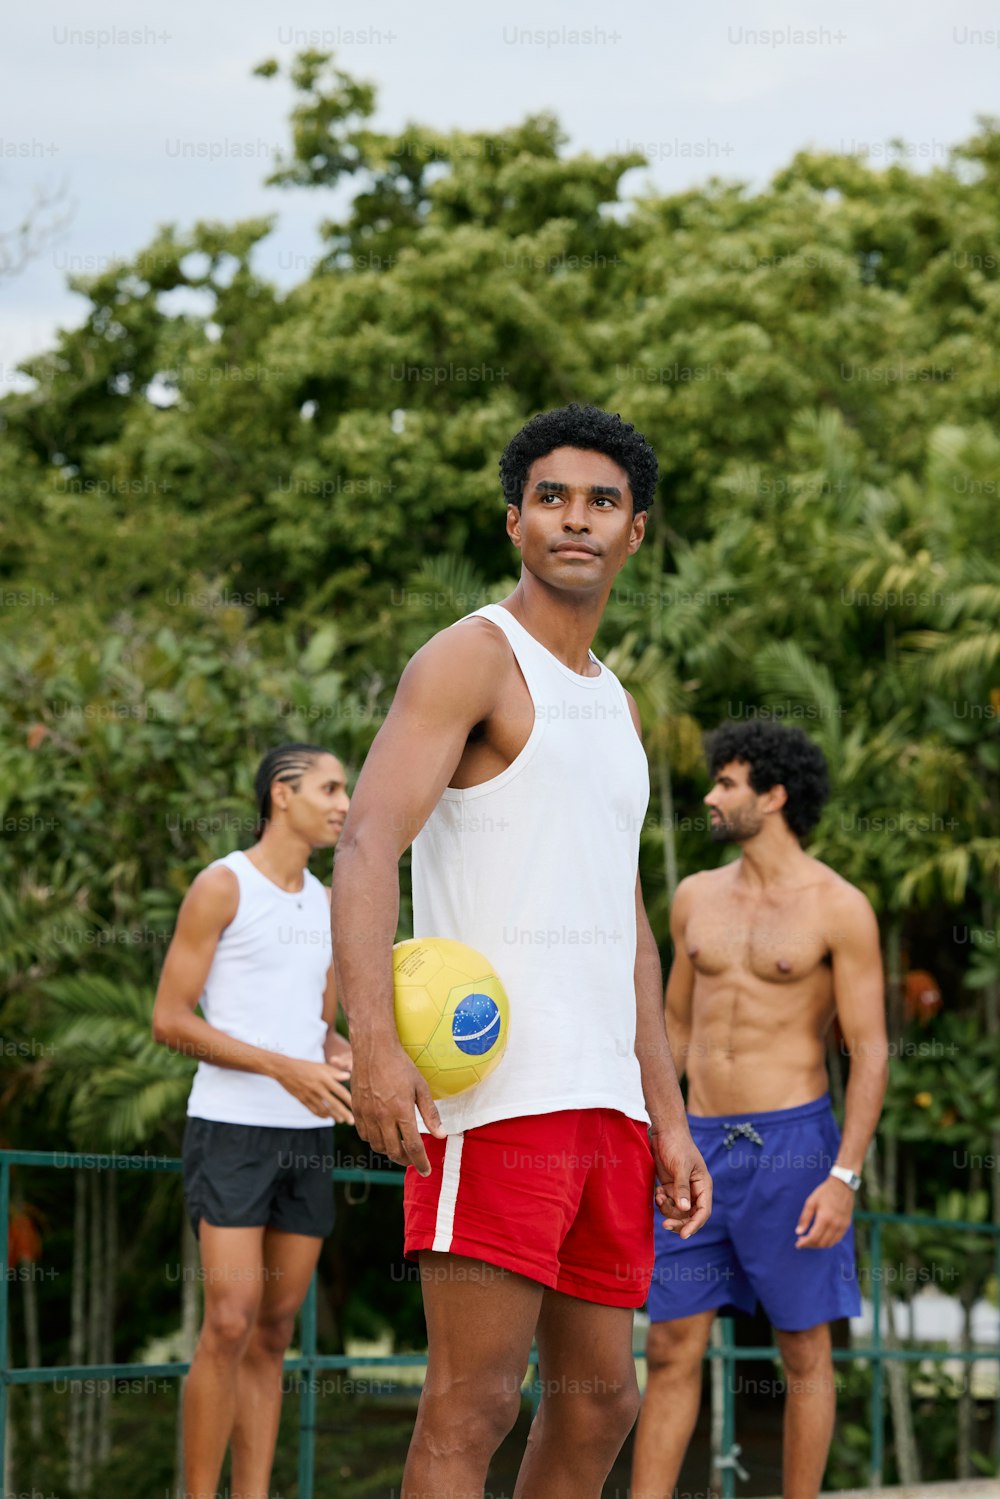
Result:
x=444 y=1223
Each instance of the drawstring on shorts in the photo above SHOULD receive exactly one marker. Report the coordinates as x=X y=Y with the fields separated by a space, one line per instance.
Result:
x=745 y=1130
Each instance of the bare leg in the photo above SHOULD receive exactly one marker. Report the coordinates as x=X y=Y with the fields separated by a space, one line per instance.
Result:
x=289 y=1262
x=480 y=1322
x=232 y=1264
x=810 y=1404
x=589 y=1398
x=674 y=1353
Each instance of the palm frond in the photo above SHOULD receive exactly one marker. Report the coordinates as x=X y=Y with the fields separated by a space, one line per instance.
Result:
x=450 y=582
x=119 y=1085
x=957 y=663
x=784 y=667
x=129 y=1102
x=649 y=675
x=93 y=997
x=948 y=871
x=38 y=924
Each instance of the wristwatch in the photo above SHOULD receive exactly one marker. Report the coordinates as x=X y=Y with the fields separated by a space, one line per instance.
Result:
x=847 y=1176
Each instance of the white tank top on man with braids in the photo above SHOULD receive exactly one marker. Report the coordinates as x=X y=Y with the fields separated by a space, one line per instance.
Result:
x=536 y=868
x=266 y=987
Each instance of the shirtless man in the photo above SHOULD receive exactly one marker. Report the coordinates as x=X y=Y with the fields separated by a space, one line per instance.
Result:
x=767 y=950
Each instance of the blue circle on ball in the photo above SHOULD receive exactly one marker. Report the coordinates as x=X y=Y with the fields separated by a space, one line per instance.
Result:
x=475 y=1027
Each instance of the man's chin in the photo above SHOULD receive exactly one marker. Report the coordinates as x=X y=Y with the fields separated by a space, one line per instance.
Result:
x=569 y=576
x=721 y=832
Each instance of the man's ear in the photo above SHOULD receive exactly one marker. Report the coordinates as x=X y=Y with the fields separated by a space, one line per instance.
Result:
x=777 y=798
x=514 y=524
x=638 y=531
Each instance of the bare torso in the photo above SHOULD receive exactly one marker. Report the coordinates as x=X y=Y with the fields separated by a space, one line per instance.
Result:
x=763 y=996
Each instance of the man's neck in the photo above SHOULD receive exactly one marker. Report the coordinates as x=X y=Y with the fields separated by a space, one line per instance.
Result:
x=769 y=862
x=564 y=623
x=280 y=858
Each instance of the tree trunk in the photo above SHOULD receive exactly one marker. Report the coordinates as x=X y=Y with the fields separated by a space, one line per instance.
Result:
x=894 y=997
x=190 y=1261
x=107 y=1354
x=912 y=1259
x=78 y=1331
x=667 y=815
x=907 y=1455
x=717 y=1375
x=95 y=1319
x=991 y=1024
x=665 y=784
x=8 y=1447
x=966 y=1406
x=33 y=1347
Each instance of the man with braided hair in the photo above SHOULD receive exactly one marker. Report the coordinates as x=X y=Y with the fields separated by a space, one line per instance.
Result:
x=252 y=948
x=768 y=950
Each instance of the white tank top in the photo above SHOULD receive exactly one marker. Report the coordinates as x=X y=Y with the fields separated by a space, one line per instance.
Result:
x=265 y=987
x=536 y=868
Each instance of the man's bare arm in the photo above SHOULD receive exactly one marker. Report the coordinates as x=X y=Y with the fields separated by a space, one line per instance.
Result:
x=860 y=998
x=679 y=996
x=684 y=1194
x=859 y=991
x=449 y=686
x=206 y=911
x=664 y=1103
x=336 y=1048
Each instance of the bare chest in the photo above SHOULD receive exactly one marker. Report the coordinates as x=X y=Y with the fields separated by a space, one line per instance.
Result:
x=779 y=943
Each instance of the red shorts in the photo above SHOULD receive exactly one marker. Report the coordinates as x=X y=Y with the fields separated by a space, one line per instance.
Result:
x=565 y=1199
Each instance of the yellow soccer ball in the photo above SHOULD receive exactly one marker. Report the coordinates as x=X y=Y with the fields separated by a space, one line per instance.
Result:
x=452 y=1013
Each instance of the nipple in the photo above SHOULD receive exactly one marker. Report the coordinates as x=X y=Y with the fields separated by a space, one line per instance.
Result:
x=784 y=966
x=693 y=952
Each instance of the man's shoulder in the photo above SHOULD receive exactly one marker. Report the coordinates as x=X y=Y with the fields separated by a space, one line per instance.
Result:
x=703 y=883
x=213 y=896
x=461 y=667
x=834 y=885
x=702 y=879
x=474 y=638
x=217 y=878
x=844 y=903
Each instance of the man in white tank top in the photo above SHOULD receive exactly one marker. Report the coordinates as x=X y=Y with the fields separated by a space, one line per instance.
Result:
x=252 y=947
x=511 y=760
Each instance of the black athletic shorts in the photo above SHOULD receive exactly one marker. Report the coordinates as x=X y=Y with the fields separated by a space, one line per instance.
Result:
x=253 y=1176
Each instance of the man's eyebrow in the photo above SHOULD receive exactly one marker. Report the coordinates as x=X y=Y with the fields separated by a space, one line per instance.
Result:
x=559 y=488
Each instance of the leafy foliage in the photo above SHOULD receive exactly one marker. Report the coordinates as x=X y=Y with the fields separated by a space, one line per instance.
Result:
x=228 y=515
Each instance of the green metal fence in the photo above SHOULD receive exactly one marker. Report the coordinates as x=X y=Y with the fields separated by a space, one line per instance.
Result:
x=310 y=1362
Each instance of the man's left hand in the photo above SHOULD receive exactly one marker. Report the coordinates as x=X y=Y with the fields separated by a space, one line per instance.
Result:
x=826 y=1215
x=684 y=1194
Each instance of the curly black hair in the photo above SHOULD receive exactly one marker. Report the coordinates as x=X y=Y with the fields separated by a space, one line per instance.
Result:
x=586 y=427
x=778 y=755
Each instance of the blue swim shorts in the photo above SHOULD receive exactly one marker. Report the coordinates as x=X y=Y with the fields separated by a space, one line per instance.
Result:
x=763 y=1167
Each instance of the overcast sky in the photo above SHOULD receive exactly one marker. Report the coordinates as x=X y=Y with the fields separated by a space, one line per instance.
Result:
x=125 y=104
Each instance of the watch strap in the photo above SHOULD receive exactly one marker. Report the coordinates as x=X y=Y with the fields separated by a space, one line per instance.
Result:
x=847 y=1176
